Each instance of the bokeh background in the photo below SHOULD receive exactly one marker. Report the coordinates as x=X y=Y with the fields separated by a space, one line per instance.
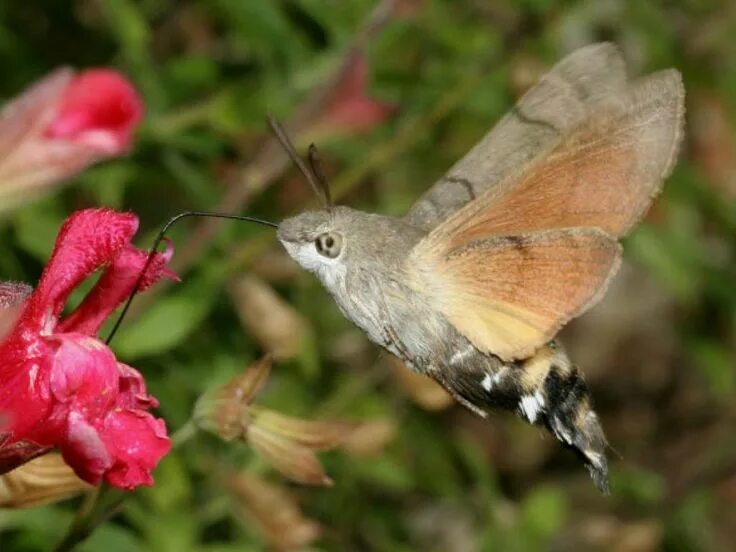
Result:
x=393 y=93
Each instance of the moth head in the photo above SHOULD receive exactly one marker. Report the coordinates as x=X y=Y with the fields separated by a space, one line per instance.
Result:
x=318 y=240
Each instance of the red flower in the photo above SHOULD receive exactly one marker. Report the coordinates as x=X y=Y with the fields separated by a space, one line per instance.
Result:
x=60 y=386
x=99 y=108
x=61 y=125
x=349 y=110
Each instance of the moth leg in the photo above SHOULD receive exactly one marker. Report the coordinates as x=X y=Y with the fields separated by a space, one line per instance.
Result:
x=393 y=339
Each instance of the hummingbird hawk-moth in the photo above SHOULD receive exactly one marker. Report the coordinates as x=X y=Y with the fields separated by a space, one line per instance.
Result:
x=519 y=237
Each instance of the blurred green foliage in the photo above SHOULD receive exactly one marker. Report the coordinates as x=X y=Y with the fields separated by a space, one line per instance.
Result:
x=210 y=70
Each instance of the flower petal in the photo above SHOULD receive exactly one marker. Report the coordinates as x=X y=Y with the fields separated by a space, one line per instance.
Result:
x=133 y=393
x=84 y=373
x=88 y=239
x=114 y=286
x=293 y=460
x=313 y=434
x=85 y=451
x=137 y=441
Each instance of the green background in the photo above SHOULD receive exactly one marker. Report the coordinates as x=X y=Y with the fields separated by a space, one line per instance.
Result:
x=658 y=354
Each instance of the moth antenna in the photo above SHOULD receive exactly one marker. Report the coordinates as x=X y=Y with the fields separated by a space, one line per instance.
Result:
x=157 y=243
x=288 y=146
x=315 y=164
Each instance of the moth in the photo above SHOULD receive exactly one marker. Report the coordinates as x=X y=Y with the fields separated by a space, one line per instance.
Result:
x=520 y=236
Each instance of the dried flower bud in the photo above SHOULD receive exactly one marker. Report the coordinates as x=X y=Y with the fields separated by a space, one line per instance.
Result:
x=274 y=323
x=425 y=391
x=288 y=443
x=274 y=511
x=285 y=442
x=41 y=481
x=224 y=410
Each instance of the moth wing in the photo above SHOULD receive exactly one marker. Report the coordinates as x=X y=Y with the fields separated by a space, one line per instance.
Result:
x=509 y=300
x=561 y=99
x=510 y=295
x=603 y=174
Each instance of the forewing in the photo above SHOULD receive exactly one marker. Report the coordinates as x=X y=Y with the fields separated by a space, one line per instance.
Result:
x=604 y=174
x=557 y=103
x=510 y=295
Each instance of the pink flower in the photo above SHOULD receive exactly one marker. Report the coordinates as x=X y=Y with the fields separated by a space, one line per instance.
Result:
x=99 y=108
x=60 y=386
x=349 y=109
x=61 y=125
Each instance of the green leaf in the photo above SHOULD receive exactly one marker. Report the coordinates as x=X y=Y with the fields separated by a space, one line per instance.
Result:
x=112 y=538
x=637 y=486
x=166 y=324
x=717 y=362
x=544 y=511
x=36 y=227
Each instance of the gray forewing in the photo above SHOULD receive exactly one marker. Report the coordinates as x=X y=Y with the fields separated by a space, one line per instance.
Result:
x=560 y=100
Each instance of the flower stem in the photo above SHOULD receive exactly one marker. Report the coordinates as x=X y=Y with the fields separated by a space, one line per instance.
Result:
x=183 y=434
x=97 y=507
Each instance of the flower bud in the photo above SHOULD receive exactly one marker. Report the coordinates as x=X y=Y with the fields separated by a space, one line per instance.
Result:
x=287 y=443
x=349 y=109
x=60 y=126
x=224 y=410
x=274 y=511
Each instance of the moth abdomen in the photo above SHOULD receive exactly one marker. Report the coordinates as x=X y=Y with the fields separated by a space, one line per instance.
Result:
x=570 y=417
x=545 y=390
x=556 y=396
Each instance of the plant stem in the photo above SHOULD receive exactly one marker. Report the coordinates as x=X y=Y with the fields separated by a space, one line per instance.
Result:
x=183 y=434
x=97 y=507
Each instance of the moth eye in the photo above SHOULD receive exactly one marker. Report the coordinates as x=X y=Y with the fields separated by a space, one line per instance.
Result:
x=328 y=244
